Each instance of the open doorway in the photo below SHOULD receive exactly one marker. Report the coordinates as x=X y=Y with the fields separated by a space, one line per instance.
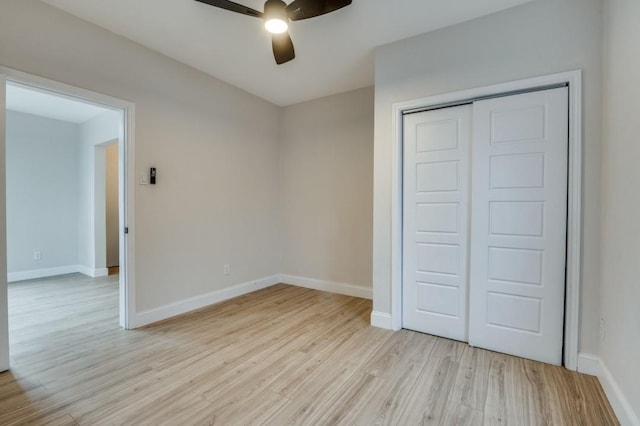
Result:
x=67 y=206
x=56 y=184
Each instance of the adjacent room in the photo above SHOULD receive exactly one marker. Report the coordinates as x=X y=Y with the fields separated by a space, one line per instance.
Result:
x=319 y=212
x=62 y=185
x=62 y=195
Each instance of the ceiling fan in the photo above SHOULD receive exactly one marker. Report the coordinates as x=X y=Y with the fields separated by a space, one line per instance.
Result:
x=277 y=15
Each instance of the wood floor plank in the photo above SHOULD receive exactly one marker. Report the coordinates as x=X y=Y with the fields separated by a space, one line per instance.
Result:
x=428 y=400
x=462 y=415
x=400 y=377
x=470 y=387
x=255 y=409
x=352 y=398
x=282 y=355
x=391 y=353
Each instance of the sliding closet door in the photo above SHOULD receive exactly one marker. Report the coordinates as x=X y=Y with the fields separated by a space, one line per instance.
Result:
x=518 y=226
x=435 y=214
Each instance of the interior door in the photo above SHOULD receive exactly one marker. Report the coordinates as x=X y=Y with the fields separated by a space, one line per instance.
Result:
x=4 y=311
x=435 y=227
x=518 y=225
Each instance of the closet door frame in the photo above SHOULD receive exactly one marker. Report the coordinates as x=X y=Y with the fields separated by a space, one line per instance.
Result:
x=573 y=79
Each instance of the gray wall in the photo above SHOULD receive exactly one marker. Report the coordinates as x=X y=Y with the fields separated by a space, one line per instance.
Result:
x=326 y=182
x=42 y=192
x=538 y=38
x=621 y=200
x=215 y=148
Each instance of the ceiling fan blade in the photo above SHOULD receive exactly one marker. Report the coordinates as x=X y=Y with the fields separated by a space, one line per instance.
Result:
x=305 y=9
x=283 y=49
x=233 y=7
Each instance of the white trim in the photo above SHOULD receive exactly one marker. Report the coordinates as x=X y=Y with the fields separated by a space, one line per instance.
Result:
x=328 y=286
x=381 y=320
x=619 y=403
x=127 y=174
x=588 y=364
x=197 y=302
x=93 y=273
x=58 y=270
x=4 y=305
x=42 y=273
x=574 y=224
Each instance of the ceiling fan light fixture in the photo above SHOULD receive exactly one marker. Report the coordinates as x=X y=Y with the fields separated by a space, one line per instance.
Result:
x=276 y=25
x=276 y=20
x=276 y=17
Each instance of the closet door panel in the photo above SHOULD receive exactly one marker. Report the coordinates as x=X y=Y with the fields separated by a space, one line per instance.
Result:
x=518 y=224
x=435 y=215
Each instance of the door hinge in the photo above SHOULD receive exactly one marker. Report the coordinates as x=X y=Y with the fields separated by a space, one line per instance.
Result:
x=126 y=229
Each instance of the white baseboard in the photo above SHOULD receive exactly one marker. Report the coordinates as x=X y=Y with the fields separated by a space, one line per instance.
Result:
x=588 y=364
x=197 y=302
x=619 y=402
x=191 y=304
x=381 y=320
x=42 y=273
x=93 y=273
x=329 y=286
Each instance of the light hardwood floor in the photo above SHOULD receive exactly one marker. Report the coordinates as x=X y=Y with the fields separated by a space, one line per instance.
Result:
x=283 y=355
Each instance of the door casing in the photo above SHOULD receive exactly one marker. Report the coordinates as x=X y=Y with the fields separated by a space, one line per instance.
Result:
x=574 y=219
x=126 y=190
x=4 y=307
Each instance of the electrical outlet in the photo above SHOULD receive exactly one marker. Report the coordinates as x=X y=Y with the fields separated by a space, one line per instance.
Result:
x=603 y=327
x=37 y=255
x=226 y=270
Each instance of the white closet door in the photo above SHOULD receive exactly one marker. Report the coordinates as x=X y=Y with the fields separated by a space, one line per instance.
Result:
x=518 y=225
x=435 y=214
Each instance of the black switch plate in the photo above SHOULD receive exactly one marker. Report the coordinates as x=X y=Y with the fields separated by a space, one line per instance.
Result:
x=152 y=175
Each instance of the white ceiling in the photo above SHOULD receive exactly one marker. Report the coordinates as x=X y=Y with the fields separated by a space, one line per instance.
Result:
x=45 y=104
x=334 y=52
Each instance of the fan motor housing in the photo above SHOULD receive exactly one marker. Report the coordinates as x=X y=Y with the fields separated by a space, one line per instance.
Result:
x=275 y=8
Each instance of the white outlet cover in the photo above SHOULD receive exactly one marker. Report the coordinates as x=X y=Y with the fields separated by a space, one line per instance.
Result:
x=143 y=178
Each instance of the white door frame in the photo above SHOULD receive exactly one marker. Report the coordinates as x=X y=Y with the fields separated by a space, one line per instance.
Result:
x=574 y=222
x=4 y=307
x=126 y=178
